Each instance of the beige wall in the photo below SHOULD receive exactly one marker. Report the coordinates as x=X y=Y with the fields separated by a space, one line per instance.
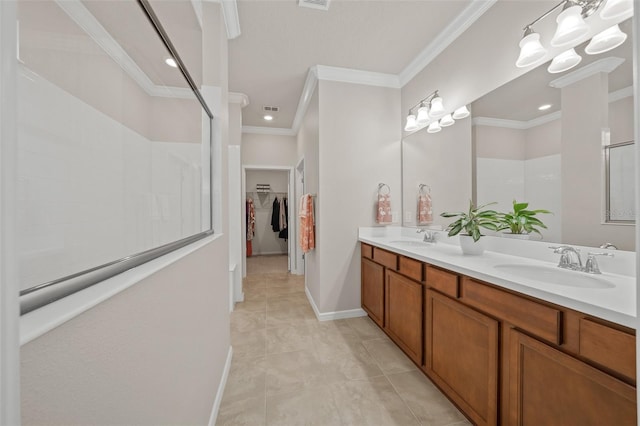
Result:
x=359 y=148
x=155 y=353
x=268 y=150
x=499 y=142
x=444 y=162
x=308 y=148
x=544 y=140
x=621 y=120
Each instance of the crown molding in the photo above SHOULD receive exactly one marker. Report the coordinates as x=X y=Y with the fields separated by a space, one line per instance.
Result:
x=231 y=18
x=197 y=9
x=447 y=36
x=238 y=98
x=621 y=94
x=605 y=65
x=278 y=131
x=516 y=124
x=353 y=76
x=305 y=98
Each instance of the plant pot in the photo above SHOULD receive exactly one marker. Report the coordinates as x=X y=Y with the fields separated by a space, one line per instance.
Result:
x=471 y=247
x=516 y=236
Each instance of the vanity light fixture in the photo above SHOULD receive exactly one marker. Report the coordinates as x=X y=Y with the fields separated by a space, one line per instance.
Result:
x=423 y=115
x=571 y=29
x=564 y=61
x=411 y=123
x=171 y=62
x=447 y=121
x=427 y=109
x=461 y=113
x=434 y=127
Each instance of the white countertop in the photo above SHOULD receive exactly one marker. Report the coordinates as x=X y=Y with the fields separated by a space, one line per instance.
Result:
x=616 y=304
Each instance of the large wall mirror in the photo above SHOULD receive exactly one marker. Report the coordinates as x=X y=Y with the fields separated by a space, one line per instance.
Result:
x=561 y=142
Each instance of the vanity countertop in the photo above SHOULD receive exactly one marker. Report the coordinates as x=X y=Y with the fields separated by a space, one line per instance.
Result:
x=615 y=303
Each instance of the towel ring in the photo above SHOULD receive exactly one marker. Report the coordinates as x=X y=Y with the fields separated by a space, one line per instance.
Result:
x=421 y=188
x=380 y=188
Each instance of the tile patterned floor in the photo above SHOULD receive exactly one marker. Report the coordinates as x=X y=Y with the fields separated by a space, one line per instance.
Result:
x=290 y=369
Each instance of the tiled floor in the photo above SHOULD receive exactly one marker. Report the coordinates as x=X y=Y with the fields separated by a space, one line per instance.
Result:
x=290 y=369
x=267 y=264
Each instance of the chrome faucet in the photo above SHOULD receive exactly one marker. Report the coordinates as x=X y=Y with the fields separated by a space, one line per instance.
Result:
x=591 y=266
x=608 y=246
x=569 y=258
x=429 y=236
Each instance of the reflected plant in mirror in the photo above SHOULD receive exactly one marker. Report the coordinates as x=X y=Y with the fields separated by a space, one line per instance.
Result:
x=520 y=221
x=470 y=222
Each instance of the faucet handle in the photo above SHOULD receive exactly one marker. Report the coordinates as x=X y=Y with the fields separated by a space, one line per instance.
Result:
x=420 y=230
x=561 y=249
x=591 y=266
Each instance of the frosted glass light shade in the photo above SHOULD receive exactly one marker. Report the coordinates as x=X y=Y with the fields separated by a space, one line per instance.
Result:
x=434 y=127
x=437 y=108
x=423 y=115
x=447 y=121
x=411 y=123
x=616 y=9
x=461 y=112
x=564 y=61
x=570 y=28
x=531 y=50
x=607 y=40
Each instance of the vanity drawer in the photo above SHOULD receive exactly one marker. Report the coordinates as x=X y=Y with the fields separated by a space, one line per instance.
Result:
x=385 y=258
x=541 y=320
x=411 y=268
x=444 y=281
x=367 y=250
x=608 y=347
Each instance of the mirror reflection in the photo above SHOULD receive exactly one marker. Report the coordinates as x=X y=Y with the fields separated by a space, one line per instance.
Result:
x=556 y=141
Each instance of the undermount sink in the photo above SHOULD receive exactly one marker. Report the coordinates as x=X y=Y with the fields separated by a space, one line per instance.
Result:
x=555 y=276
x=411 y=243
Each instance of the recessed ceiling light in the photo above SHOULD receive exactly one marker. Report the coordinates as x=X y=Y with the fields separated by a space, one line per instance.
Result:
x=268 y=117
x=171 y=62
x=544 y=107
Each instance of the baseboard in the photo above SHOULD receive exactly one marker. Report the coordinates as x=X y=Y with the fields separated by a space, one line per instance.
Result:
x=221 y=386
x=270 y=253
x=330 y=316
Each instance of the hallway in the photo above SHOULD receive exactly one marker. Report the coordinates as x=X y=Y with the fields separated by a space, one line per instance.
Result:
x=290 y=369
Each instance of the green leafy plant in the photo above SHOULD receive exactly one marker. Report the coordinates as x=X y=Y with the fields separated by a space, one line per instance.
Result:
x=470 y=222
x=521 y=220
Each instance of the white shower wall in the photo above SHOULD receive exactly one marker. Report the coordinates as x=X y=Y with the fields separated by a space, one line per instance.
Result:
x=92 y=190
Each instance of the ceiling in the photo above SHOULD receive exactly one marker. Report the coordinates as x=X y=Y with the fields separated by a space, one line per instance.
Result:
x=520 y=98
x=280 y=41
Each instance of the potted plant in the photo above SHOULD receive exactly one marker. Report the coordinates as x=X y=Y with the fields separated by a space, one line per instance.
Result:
x=521 y=222
x=468 y=226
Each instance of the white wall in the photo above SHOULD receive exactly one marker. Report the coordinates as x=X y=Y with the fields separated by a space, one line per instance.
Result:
x=265 y=240
x=156 y=352
x=358 y=148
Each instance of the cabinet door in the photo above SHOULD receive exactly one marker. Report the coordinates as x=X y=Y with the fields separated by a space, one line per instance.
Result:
x=372 y=290
x=461 y=348
x=549 y=387
x=404 y=314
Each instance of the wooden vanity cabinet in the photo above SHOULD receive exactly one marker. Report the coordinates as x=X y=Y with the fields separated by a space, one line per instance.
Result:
x=462 y=356
x=403 y=314
x=372 y=290
x=549 y=387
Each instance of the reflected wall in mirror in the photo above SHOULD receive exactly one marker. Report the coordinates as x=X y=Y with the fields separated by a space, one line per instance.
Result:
x=620 y=175
x=540 y=139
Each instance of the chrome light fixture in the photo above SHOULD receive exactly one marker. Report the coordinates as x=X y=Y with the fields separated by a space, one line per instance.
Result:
x=571 y=29
x=447 y=121
x=434 y=127
x=461 y=113
x=423 y=115
x=411 y=123
x=564 y=61
x=436 y=106
x=606 y=40
x=616 y=9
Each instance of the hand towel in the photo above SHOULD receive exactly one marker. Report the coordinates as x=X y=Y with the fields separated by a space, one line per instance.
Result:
x=307 y=224
x=384 y=209
x=425 y=214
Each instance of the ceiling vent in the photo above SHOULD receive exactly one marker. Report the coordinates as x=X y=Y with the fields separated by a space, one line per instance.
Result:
x=314 y=4
x=270 y=108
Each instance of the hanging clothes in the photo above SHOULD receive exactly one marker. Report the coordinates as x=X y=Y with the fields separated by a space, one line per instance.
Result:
x=284 y=219
x=307 y=224
x=275 y=215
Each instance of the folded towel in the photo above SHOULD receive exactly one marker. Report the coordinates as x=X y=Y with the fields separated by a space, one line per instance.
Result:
x=384 y=209
x=425 y=214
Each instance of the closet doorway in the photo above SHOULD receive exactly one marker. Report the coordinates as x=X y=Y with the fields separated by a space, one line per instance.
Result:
x=270 y=244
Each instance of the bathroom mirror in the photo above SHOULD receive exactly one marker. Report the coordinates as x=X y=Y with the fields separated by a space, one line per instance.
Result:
x=570 y=157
